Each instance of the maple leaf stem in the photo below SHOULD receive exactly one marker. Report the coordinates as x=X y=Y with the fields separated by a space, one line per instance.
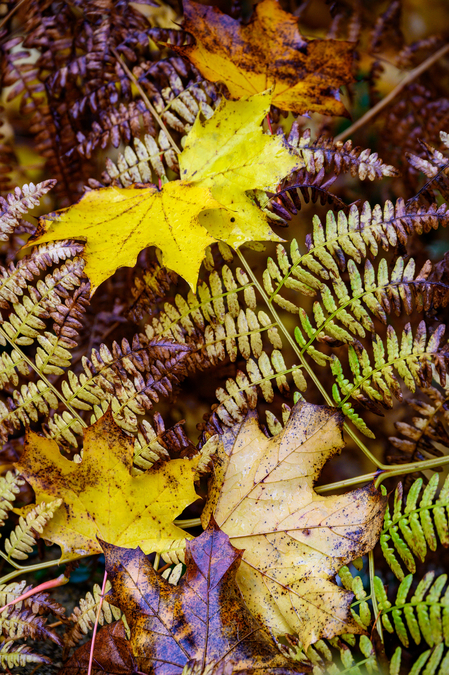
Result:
x=43 y=378
x=413 y=74
x=97 y=619
x=147 y=101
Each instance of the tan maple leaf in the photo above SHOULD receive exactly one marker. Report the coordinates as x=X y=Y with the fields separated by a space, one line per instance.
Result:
x=295 y=540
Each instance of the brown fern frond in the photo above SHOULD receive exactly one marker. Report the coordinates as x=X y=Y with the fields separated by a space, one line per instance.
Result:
x=22 y=623
x=149 y=290
x=336 y=156
x=387 y=29
x=310 y=187
x=8 y=161
x=425 y=436
x=17 y=203
x=435 y=166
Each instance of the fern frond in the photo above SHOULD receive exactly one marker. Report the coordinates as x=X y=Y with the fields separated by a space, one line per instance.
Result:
x=17 y=203
x=426 y=432
x=9 y=488
x=149 y=290
x=414 y=527
x=83 y=617
x=9 y=592
x=306 y=186
x=25 y=406
x=338 y=156
x=26 y=322
x=12 y=654
x=23 y=538
x=22 y=623
x=412 y=358
x=422 y=616
x=13 y=280
x=130 y=378
x=435 y=166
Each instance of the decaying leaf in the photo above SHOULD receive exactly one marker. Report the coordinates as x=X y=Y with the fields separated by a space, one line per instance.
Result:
x=225 y=156
x=112 y=654
x=268 y=52
x=202 y=623
x=294 y=539
x=101 y=498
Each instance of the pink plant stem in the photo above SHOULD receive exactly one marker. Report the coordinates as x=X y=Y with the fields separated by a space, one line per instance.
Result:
x=269 y=124
x=53 y=583
x=97 y=618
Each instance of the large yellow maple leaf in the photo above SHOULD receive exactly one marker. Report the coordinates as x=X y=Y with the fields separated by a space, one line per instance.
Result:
x=224 y=157
x=294 y=539
x=100 y=496
x=267 y=52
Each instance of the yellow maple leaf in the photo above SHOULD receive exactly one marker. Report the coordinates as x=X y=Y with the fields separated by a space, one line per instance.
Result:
x=267 y=52
x=225 y=157
x=294 y=539
x=101 y=498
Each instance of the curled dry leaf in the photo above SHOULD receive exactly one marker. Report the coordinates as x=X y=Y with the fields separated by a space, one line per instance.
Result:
x=224 y=157
x=294 y=539
x=112 y=654
x=268 y=52
x=101 y=498
x=202 y=624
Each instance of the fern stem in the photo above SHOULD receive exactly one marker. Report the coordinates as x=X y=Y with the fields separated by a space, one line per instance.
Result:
x=357 y=480
x=377 y=622
x=190 y=522
x=43 y=378
x=303 y=361
x=288 y=337
x=33 y=568
x=400 y=469
x=413 y=74
x=147 y=101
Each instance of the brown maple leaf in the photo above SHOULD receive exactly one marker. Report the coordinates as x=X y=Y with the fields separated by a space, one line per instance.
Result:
x=112 y=655
x=201 y=624
x=268 y=52
x=294 y=539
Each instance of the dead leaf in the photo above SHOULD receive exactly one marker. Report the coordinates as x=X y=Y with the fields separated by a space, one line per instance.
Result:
x=268 y=52
x=202 y=623
x=101 y=498
x=224 y=158
x=294 y=539
x=112 y=654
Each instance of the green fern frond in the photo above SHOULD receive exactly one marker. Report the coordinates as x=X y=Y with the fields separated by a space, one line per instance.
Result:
x=23 y=538
x=411 y=358
x=423 y=616
x=12 y=654
x=9 y=488
x=416 y=526
x=83 y=617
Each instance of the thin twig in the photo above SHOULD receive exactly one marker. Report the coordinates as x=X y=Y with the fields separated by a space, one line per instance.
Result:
x=413 y=74
x=9 y=15
x=147 y=101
